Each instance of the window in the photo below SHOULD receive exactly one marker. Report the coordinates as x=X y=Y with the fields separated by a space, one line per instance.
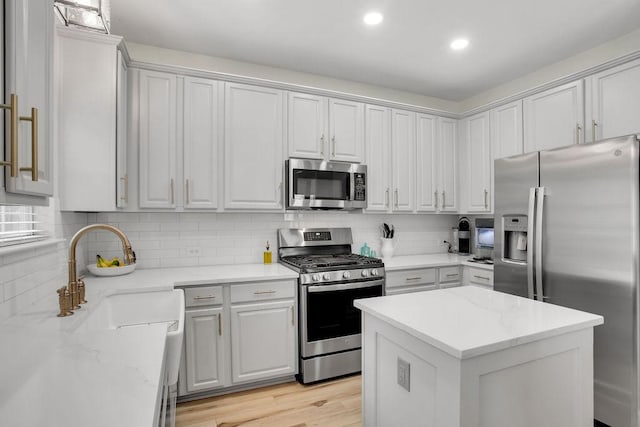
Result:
x=19 y=224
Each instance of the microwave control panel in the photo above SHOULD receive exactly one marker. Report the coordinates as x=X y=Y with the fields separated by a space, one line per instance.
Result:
x=360 y=186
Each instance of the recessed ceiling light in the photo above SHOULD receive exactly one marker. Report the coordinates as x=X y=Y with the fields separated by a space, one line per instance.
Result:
x=459 y=44
x=372 y=18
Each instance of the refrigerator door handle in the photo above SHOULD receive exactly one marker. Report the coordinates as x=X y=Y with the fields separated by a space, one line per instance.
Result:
x=530 y=231
x=538 y=243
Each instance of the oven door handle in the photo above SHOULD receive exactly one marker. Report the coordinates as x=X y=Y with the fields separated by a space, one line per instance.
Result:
x=345 y=286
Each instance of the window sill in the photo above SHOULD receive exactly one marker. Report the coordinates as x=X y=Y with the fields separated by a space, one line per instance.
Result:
x=13 y=249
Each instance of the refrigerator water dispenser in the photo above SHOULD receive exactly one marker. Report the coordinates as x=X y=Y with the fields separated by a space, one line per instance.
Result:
x=515 y=238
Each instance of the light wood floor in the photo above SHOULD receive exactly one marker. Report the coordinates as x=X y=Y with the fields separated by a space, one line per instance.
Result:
x=329 y=404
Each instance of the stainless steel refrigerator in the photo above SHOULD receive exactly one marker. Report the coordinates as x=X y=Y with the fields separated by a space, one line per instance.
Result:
x=566 y=224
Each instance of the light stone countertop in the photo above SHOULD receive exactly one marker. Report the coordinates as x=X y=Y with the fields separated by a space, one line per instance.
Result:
x=54 y=373
x=406 y=262
x=469 y=321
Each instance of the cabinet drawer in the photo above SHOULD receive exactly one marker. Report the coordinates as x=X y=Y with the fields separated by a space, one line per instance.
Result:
x=479 y=276
x=408 y=289
x=450 y=274
x=203 y=295
x=421 y=276
x=260 y=291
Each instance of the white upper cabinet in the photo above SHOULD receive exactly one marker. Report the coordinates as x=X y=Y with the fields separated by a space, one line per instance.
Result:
x=448 y=160
x=28 y=44
x=403 y=154
x=157 y=139
x=201 y=147
x=253 y=144
x=554 y=118
x=506 y=130
x=346 y=128
x=307 y=126
x=479 y=162
x=613 y=102
x=428 y=163
x=92 y=141
x=122 y=173
x=325 y=128
x=378 y=155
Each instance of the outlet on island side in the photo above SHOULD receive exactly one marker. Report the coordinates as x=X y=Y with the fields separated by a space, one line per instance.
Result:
x=404 y=374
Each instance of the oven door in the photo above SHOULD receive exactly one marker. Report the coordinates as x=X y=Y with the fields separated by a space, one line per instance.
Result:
x=329 y=321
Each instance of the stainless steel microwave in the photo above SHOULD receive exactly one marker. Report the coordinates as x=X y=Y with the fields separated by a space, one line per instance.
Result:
x=316 y=184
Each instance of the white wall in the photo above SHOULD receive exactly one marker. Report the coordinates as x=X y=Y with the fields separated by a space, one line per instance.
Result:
x=156 y=55
x=168 y=239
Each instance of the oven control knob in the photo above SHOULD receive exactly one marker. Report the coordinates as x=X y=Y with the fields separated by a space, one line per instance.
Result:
x=346 y=274
x=326 y=276
x=315 y=277
x=374 y=272
x=365 y=273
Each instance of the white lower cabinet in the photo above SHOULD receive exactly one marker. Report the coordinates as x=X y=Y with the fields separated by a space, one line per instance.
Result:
x=478 y=277
x=236 y=334
x=263 y=340
x=204 y=349
x=449 y=277
x=422 y=279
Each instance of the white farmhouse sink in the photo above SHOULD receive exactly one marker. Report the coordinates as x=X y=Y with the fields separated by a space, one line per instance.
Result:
x=142 y=308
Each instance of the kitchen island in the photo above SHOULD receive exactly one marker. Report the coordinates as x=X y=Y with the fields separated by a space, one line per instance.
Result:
x=474 y=357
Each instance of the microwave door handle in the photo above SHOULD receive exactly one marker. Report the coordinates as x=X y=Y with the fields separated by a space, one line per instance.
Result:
x=530 y=246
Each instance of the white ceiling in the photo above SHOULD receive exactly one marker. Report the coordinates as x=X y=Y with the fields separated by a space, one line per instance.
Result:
x=408 y=51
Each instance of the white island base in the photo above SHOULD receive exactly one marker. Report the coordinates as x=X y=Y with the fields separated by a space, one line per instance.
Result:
x=474 y=357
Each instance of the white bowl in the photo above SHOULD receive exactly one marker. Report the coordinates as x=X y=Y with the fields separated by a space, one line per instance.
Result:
x=111 y=271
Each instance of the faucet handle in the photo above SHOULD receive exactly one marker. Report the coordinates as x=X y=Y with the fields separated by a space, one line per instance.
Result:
x=81 y=290
x=64 y=301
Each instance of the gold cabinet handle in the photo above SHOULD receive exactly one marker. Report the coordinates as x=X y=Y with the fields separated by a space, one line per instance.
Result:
x=204 y=297
x=292 y=324
x=435 y=199
x=481 y=277
x=452 y=274
x=264 y=292
x=34 y=143
x=443 y=204
x=396 y=197
x=486 y=205
x=187 y=191
x=172 y=192
x=594 y=124
x=578 y=130
x=333 y=141
x=386 y=197
x=322 y=144
x=125 y=184
x=413 y=278
x=219 y=324
x=12 y=106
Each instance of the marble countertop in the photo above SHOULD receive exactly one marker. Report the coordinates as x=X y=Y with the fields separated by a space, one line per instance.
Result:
x=406 y=262
x=54 y=373
x=469 y=321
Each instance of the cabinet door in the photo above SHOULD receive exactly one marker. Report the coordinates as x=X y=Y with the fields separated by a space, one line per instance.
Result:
x=157 y=163
x=447 y=148
x=427 y=162
x=307 y=126
x=122 y=186
x=346 y=128
x=506 y=130
x=201 y=146
x=254 y=164
x=554 y=118
x=479 y=167
x=403 y=147
x=378 y=153
x=28 y=67
x=262 y=340
x=204 y=349
x=614 y=102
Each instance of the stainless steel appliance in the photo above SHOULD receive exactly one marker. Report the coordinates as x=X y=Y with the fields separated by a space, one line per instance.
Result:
x=464 y=236
x=316 y=184
x=331 y=278
x=566 y=228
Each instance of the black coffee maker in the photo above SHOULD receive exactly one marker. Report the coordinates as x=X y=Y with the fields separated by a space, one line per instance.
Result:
x=464 y=236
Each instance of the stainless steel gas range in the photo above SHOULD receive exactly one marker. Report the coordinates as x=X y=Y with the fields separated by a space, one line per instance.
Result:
x=331 y=278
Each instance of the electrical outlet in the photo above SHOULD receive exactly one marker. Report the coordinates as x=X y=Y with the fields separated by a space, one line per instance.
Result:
x=404 y=374
x=193 y=251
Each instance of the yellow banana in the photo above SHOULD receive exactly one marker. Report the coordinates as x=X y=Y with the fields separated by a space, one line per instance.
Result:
x=100 y=262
